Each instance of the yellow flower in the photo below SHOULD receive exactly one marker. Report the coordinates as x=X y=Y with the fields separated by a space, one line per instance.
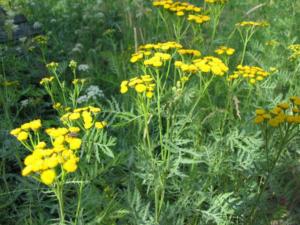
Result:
x=35 y=125
x=140 y=88
x=253 y=24
x=260 y=111
x=259 y=119
x=87 y=119
x=46 y=80
x=74 y=143
x=180 y=13
x=149 y=94
x=41 y=145
x=52 y=65
x=59 y=141
x=224 y=50
x=26 y=171
x=15 y=132
x=56 y=132
x=74 y=116
x=283 y=105
x=22 y=136
x=94 y=109
x=100 y=125
x=273 y=122
x=73 y=64
x=48 y=176
x=74 y=129
x=70 y=165
x=51 y=162
x=123 y=89
x=25 y=126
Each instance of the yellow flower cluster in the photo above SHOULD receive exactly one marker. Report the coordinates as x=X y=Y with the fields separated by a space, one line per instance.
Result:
x=52 y=65
x=198 y=18
x=23 y=132
x=43 y=160
x=189 y=52
x=216 y=1
x=46 y=80
x=40 y=39
x=295 y=48
x=251 y=73
x=185 y=67
x=78 y=81
x=283 y=113
x=143 y=84
x=205 y=65
x=181 y=9
x=177 y=7
x=163 y=46
x=156 y=58
x=253 y=24
x=224 y=50
x=84 y=117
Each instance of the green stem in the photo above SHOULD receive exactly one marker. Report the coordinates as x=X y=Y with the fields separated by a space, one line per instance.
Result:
x=270 y=171
x=79 y=202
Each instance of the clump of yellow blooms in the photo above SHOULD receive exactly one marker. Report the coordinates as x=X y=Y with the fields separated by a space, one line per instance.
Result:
x=186 y=67
x=284 y=112
x=198 y=18
x=216 y=1
x=23 y=132
x=158 y=59
x=162 y=46
x=211 y=64
x=40 y=39
x=84 y=117
x=192 y=52
x=208 y=64
x=224 y=50
x=43 y=160
x=251 y=73
x=155 y=52
x=182 y=9
x=46 y=80
x=52 y=65
x=143 y=84
x=176 y=6
x=253 y=24
x=295 y=49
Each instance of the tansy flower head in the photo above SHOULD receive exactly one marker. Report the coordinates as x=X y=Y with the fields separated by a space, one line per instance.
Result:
x=252 y=24
x=211 y=64
x=224 y=50
x=216 y=1
x=251 y=73
x=46 y=80
x=52 y=66
x=283 y=112
x=143 y=84
x=48 y=176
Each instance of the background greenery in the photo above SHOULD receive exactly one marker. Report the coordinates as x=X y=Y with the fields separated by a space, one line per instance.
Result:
x=222 y=186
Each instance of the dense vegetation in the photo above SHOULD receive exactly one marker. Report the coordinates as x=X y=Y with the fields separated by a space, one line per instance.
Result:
x=140 y=112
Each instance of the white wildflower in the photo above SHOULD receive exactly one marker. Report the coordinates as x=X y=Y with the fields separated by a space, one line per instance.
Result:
x=37 y=25
x=83 y=67
x=92 y=93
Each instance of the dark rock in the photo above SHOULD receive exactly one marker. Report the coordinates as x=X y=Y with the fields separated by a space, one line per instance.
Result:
x=24 y=29
x=18 y=19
